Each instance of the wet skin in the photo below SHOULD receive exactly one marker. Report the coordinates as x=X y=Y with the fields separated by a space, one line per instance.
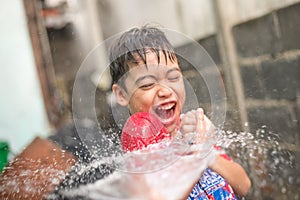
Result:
x=157 y=88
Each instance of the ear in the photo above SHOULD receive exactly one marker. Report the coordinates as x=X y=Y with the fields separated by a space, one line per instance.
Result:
x=120 y=94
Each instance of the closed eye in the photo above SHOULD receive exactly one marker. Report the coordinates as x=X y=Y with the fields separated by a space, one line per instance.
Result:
x=175 y=78
x=147 y=86
x=174 y=75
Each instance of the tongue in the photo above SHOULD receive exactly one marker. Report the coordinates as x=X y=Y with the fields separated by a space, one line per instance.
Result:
x=164 y=114
x=142 y=129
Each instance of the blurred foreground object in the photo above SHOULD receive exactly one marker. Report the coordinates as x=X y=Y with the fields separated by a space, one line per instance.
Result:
x=56 y=14
x=35 y=172
x=4 y=149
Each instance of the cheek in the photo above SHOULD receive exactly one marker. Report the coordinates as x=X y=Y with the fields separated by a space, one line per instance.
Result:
x=141 y=102
x=180 y=92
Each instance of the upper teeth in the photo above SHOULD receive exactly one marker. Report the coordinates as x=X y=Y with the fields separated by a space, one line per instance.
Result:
x=166 y=107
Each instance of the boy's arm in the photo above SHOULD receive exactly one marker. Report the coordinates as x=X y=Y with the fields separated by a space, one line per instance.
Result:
x=233 y=173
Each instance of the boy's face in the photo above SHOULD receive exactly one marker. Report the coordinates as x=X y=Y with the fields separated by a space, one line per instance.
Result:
x=155 y=88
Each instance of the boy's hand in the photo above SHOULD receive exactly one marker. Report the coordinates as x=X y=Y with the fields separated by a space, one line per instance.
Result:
x=195 y=121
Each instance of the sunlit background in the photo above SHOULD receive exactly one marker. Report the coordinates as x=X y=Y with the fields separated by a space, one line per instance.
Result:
x=255 y=44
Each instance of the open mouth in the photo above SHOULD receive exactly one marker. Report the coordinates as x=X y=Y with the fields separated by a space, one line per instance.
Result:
x=166 y=112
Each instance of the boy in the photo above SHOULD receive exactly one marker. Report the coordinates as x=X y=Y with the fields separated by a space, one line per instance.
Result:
x=147 y=78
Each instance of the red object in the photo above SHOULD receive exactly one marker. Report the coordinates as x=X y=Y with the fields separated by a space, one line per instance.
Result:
x=224 y=155
x=142 y=129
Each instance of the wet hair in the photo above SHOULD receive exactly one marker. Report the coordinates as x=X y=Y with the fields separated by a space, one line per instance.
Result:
x=133 y=45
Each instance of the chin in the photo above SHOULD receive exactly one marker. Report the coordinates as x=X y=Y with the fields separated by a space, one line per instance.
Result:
x=172 y=128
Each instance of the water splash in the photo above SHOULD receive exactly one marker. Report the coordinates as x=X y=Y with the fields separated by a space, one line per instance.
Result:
x=148 y=169
x=270 y=163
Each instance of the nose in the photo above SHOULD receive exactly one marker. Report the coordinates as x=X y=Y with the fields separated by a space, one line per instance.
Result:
x=164 y=91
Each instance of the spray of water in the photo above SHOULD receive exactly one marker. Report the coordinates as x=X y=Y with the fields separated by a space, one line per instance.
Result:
x=142 y=173
x=270 y=163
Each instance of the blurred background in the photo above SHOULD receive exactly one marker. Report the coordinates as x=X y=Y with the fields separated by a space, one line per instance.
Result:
x=255 y=45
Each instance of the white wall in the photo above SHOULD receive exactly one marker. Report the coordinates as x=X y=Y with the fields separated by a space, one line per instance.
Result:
x=197 y=18
x=194 y=18
x=123 y=15
x=23 y=114
x=191 y=17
